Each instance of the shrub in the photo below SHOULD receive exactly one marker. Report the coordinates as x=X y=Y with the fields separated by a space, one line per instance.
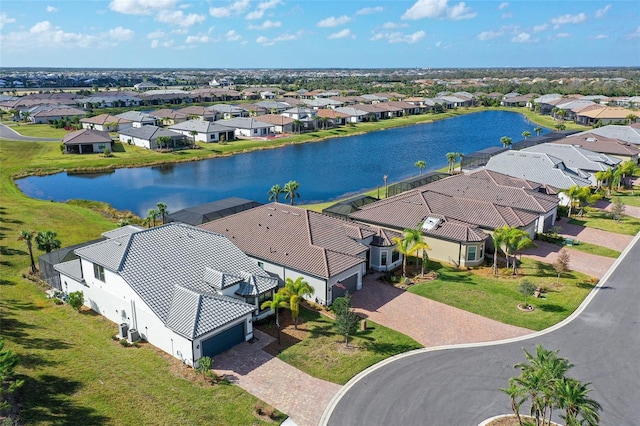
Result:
x=107 y=152
x=259 y=407
x=76 y=300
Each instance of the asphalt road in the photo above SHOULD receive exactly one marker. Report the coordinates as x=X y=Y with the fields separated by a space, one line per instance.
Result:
x=459 y=386
x=9 y=133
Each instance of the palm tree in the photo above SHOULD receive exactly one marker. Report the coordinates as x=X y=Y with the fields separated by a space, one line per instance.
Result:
x=193 y=134
x=506 y=141
x=631 y=118
x=162 y=211
x=572 y=396
x=152 y=215
x=410 y=243
x=526 y=134
x=420 y=164
x=537 y=130
x=518 y=240
x=451 y=159
x=275 y=192
x=279 y=300
x=291 y=190
x=27 y=237
x=47 y=241
x=586 y=198
x=516 y=396
x=297 y=124
x=499 y=235
x=324 y=121
x=572 y=193
x=296 y=290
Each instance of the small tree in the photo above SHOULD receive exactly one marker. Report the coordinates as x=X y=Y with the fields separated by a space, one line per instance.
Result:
x=526 y=288
x=617 y=210
x=506 y=141
x=420 y=164
x=562 y=263
x=76 y=300
x=47 y=241
x=204 y=366
x=8 y=383
x=346 y=319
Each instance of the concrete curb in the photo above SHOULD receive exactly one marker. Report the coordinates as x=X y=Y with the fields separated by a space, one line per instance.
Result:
x=338 y=396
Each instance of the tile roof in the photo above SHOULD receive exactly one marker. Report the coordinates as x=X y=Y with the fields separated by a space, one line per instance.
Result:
x=630 y=134
x=149 y=132
x=169 y=268
x=103 y=119
x=201 y=126
x=603 y=144
x=59 y=112
x=86 y=136
x=243 y=123
x=300 y=239
x=576 y=157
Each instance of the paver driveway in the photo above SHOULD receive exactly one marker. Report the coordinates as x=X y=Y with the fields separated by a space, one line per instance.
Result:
x=429 y=322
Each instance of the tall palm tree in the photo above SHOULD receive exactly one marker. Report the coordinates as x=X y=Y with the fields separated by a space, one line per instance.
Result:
x=499 y=236
x=506 y=141
x=47 y=241
x=27 y=237
x=296 y=290
x=451 y=159
x=573 y=397
x=518 y=240
x=152 y=215
x=324 y=121
x=572 y=193
x=537 y=130
x=297 y=124
x=516 y=396
x=275 y=192
x=410 y=243
x=420 y=164
x=279 y=300
x=162 y=210
x=291 y=190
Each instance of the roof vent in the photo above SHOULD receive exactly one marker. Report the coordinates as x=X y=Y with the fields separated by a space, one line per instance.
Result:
x=118 y=243
x=430 y=223
x=285 y=211
x=271 y=208
x=295 y=214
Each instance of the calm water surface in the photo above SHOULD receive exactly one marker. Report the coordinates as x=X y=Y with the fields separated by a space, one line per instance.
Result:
x=326 y=170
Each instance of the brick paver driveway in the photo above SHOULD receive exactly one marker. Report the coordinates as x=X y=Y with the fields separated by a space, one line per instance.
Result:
x=291 y=391
x=594 y=236
x=428 y=322
x=628 y=210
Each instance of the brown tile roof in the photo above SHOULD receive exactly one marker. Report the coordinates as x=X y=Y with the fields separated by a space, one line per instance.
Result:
x=60 y=112
x=609 y=113
x=276 y=119
x=104 y=118
x=86 y=136
x=602 y=144
x=330 y=113
x=300 y=239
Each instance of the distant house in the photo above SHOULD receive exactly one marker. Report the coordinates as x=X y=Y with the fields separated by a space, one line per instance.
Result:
x=248 y=127
x=226 y=111
x=613 y=147
x=200 y=113
x=51 y=114
x=204 y=131
x=331 y=118
x=605 y=115
x=147 y=137
x=86 y=141
x=139 y=119
x=185 y=290
x=106 y=123
x=629 y=133
x=280 y=123
x=167 y=116
x=329 y=253
x=145 y=85
x=355 y=114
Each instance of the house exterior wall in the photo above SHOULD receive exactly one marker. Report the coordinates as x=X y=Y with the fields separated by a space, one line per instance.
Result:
x=376 y=257
x=144 y=143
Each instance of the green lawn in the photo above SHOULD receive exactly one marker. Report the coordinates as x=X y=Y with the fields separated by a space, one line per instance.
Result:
x=497 y=298
x=323 y=354
x=630 y=198
x=38 y=130
x=597 y=250
x=597 y=219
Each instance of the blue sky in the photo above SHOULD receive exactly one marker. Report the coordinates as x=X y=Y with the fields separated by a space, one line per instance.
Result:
x=318 y=33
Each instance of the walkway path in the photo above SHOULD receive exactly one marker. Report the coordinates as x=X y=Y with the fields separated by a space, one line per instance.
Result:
x=7 y=132
x=291 y=391
x=429 y=322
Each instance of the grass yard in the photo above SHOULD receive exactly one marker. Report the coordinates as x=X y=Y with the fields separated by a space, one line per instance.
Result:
x=318 y=351
x=497 y=298
x=38 y=130
x=630 y=198
x=598 y=219
x=594 y=249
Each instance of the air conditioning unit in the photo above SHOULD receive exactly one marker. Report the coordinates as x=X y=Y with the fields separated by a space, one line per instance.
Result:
x=133 y=334
x=124 y=327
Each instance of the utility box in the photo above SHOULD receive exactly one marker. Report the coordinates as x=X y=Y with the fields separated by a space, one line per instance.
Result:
x=124 y=328
x=133 y=334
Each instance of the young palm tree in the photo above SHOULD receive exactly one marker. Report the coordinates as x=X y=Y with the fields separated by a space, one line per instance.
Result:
x=162 y=210
x=573 y=397
x=572 y=193
x=410 y=243
x=152 y=215
x=296 y=291
x=451 y=159
x=526 y=134
x=280 y=300
x=538 y=130
x=27 y=237
x=506 y=141
x=297 y=124
x=275 y=192
x=499 y=237
x=47 y=241
x=291 y=190
x=516 y=396
x=421 y=164
x=518 y=240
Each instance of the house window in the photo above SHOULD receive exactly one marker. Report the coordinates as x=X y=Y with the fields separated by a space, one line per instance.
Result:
x=261 y=265
x=395 y=256
x=481 y=252
x=98 y=272
x=471 y=253
x=383 y=258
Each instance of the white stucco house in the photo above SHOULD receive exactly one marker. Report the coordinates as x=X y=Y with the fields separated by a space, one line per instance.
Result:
x=185 y=290
x=204 y=131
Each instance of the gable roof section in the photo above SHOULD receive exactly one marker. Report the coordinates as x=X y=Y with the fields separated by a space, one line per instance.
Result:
x=576 y=157
x=244 y=123
x=149 y=132
x=201 y=126
x=303 y=240
x=104 y=119
x=86 y=136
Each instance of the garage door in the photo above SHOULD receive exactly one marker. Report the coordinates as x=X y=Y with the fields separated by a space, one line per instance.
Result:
x=222 y=341
x=350 y=284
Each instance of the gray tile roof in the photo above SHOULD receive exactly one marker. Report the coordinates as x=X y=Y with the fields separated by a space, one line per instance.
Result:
x=243 y=123
x=304 y=240
x=628 y=134
x=123 y=230
x=576 y=158
x=149 y=132
x=71 y=269
x=154 y=262
x=201 y=126
x=137 y=116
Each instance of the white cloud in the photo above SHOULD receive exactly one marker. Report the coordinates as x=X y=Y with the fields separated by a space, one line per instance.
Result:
x=507 y=15
x=599 y=37
x=398 y=37
x=503 y=5
x=393 y=25
x=265 y=41
x=202 y=38
x=262 y=8
x=538 y=28
x=4 y=20
x=141 y=7
x=439 y=9
x=523 y=38
x=177 y=17
x=236 y=8
x=155 y=44
x=231 y=35
x=601 y=12
x=121 y=34
x=333 y=21
x=266 y=25
x=489 y=35
x=52 y=9
x=568 y=19
x=346 y=33
x=156 y=34
x=633 y=35
x=369 y=10
x=563 y=35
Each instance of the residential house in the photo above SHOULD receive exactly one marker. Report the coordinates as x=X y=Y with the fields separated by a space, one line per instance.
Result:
x=605 y=115
x=355 y=114
x=624 y=151
x=139 y=119
x=204 y=131
x=105 y=123
x=280 y=123
x=274 y=107
x=86 y=141
x=147 y=137
x=203 y=213
x=225 y=111
x=168 y=117
x=248 y=127
x=145 y=85
x=628 y=134
x=331 y=118
x=331 y=254
x=50 y=114
x=185 y=290
x=306 y=116
x=252 y=110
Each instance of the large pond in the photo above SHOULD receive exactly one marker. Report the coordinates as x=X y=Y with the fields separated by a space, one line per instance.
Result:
x=326 y=170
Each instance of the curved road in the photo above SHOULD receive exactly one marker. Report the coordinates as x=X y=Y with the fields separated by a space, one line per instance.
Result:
x=459 y=386
x=8 y=133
